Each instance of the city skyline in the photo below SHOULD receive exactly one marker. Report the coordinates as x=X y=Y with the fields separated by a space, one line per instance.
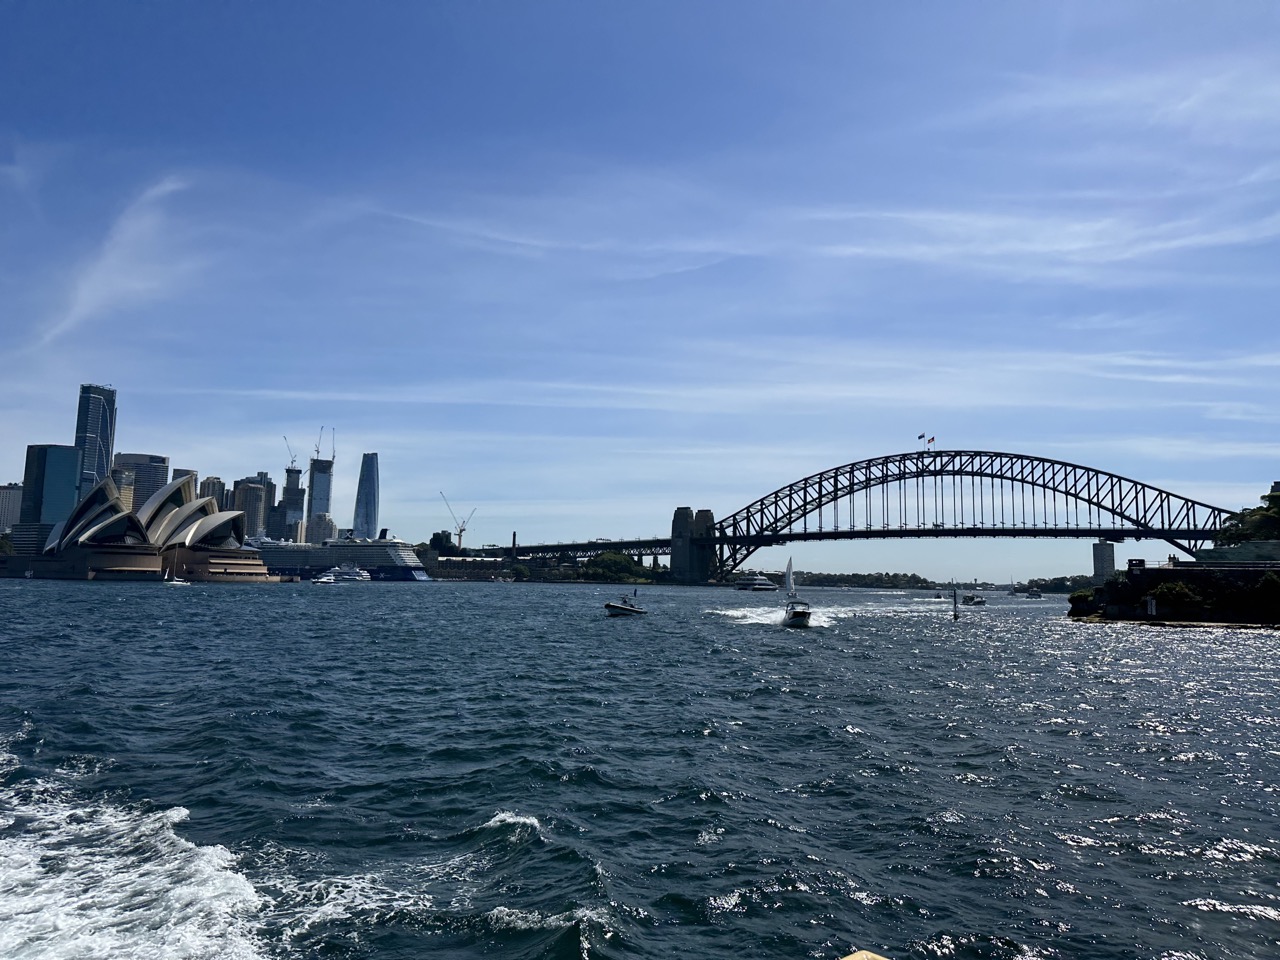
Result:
x=578 y=275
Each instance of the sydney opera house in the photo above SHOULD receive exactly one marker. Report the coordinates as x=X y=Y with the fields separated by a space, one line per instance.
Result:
x=176 y=535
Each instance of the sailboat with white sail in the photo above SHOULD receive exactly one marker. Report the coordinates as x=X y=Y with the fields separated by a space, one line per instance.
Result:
x=797 y=612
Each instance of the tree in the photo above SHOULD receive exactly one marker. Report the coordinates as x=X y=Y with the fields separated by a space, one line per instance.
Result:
x=1177 y=598
x=1256 y=523
x=614 y=568
x=6 y=545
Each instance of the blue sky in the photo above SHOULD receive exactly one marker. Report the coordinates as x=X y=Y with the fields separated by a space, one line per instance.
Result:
x=577 y=264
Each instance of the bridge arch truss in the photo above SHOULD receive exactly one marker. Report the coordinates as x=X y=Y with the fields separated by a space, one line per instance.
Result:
x=930 y=493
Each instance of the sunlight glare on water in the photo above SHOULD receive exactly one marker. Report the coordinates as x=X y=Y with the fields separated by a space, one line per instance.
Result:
x=388 y=771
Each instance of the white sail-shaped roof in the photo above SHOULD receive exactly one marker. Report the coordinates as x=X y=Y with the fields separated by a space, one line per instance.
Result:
x=120 y=528
x=224 y=529
x=172 y=496
x=169 y=528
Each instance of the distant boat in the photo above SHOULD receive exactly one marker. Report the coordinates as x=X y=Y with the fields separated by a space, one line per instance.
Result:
x=797 y=612
x=756 y=582
x=973 y=600
x=346 y=573
x=1033 y=593
x=624 y=606
x=173 y=581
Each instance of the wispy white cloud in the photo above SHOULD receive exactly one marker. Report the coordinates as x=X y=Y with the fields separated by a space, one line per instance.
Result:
x=1212 y=101
x=1042 y=244
x=1179 y=448
x=799 y=374
x=135 y=263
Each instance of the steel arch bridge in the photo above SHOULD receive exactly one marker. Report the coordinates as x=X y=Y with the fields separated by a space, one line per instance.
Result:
x=963 y=493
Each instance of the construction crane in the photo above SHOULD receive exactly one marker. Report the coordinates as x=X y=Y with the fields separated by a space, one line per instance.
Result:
x=319 y=440
x=459 y=526
x=293 y=458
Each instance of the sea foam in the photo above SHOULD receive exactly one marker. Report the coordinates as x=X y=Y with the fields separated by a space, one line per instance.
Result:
x=97 y=879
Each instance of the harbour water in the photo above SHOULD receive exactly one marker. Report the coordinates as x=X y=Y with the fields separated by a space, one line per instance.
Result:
x=398 y=771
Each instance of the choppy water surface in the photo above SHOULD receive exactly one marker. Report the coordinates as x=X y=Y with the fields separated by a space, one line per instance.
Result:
x=467 y=770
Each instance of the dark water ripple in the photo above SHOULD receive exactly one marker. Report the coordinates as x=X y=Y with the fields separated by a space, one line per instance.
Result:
x=387 y=771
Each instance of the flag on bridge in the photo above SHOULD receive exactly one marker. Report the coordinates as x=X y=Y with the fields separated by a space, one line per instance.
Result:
x=931 y=439
x=921 y=437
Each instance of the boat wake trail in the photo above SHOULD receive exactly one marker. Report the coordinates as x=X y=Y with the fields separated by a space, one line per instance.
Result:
x=88 y=878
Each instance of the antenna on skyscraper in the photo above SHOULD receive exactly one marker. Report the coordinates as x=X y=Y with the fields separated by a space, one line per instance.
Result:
x=333 y=440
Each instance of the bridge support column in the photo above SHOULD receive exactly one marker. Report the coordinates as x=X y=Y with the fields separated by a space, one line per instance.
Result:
x=692 y=550
x=1104 y=561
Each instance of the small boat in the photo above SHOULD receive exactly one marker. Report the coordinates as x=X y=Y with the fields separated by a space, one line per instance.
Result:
x=173 y=581
x=797 y=612
x=346 y=573
x=624 y=606
x=756 y=582
x=1033 y=593
x=973 y=600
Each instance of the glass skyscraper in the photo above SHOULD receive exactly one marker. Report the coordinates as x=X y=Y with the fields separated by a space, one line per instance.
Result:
x=50 y=488
x=320 y=484
x=365 y=524
x=150 y=473
x=95 y=434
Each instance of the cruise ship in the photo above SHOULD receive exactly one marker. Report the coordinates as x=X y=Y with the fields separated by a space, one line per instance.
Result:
x=386 y=558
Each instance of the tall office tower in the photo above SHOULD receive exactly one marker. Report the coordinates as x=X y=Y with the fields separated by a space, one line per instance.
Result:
x=262 y=479
x=284 y=518
x=177 y=473
x=321 y=484
x=150 y=473
x=214 y=487
x=10 y=505
x=95 y=434
x=50 y=491
x=124 y=478
x=251 y=499
x=321 y=528
x=365 y=524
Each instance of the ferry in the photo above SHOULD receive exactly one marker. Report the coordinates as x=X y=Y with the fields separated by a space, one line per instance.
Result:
x=387 y=558
x=756 y=582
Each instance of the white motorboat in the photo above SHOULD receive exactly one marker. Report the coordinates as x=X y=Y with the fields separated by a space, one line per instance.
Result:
x=346 y=573
x=974 y=600
x=797 y=612
x=624 y=606
x=756 y=582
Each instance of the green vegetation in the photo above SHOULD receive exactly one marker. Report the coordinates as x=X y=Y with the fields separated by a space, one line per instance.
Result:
x=1238 y=596
x=6 y=545
x=614 y=568
x=1257 y=523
